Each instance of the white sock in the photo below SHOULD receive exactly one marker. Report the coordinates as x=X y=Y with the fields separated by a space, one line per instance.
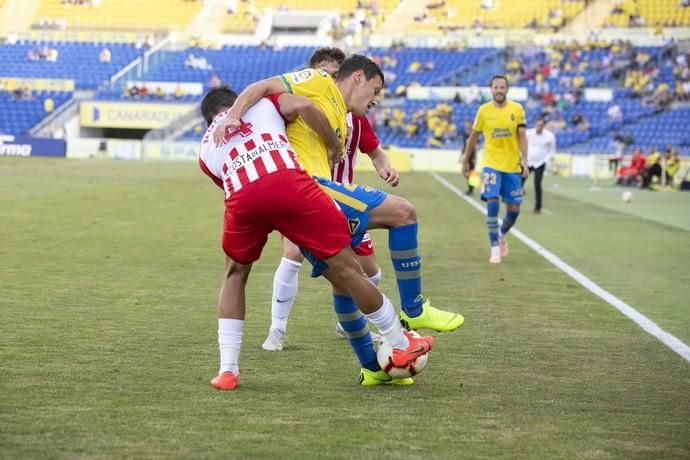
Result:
x=229 y=343
x=386 y=321
x=376 y=279
x=285 y=283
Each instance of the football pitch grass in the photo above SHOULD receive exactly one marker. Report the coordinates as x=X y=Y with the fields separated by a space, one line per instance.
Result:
x=109 y=273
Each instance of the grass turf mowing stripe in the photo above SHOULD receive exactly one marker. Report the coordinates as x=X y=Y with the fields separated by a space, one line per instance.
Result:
x=638 y=318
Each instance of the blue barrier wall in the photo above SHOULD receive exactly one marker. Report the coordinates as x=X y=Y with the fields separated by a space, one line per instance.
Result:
x=31 y=147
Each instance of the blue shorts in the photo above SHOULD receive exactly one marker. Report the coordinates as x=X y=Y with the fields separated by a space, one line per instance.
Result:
x=505 y=185
x=355 y=201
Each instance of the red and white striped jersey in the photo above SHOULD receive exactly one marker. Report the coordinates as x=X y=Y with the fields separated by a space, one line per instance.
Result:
x=360 y=136
x=257 y=148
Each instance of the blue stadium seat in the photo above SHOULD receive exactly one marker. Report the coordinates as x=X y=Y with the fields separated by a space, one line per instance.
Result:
x=77 y=61
x=17 y=116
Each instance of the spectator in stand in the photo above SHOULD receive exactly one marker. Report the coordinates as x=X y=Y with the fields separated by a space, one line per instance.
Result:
x=189 y=62
x=556 y=122
x=179 y=92
x=662 y=96
x=143 y=92
x=49 y=54
x=579 y=122
x=541 y=87
x=614 y=113
x=473 y=94
x=414 y=66
x=411 y=130
x=686 y=90
x=104 y=55
x=48 y=105
x=159 y=92
x=579 y=81
x=198 y=129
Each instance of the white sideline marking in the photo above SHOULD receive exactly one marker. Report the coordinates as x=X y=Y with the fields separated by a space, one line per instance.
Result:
x=649 y=326
x=547 y=212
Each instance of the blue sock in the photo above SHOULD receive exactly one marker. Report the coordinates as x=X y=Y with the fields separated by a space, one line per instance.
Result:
x=355 y=325
x=509 y=221
x=402 y=242
x=492 y=208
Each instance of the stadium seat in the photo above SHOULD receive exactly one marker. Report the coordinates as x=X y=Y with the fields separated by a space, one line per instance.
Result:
x=17 y=116
x=656 y=131
x=237 y=66
x=76 y=61
x=667 y=13
x=153 y=15
x=456 y=14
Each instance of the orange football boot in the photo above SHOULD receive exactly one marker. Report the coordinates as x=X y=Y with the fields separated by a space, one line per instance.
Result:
x=227 y=381
x=419 y=345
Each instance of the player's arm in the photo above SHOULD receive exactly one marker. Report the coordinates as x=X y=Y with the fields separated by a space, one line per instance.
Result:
x=292 y=106
x=369 y=144
x=522 y=141
x=469 y=147
x=247 y=98
x=552 y=150
x=382 y=164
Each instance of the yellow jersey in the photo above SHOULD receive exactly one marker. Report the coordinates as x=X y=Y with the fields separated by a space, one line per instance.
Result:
x=320 y=88
x=499 y=126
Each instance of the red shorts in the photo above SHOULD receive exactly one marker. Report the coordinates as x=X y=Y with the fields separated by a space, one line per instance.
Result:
x=366 y=247
x=288 y=201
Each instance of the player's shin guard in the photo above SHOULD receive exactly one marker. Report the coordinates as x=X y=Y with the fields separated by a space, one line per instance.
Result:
x=386 y=321
x=229 y=343
x=492 y=208
x=407 y=263
x=509 y=221
x=356 y=328
x=285 y=282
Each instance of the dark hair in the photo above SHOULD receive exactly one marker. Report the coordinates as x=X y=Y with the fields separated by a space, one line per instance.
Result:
x=540 y=118
x=498 y=77
x=326 y=54
x=217 y=100
x=358 y=62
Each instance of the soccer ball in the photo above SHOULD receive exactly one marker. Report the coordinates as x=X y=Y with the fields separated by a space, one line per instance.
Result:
x=384 y=356
x=627 y=196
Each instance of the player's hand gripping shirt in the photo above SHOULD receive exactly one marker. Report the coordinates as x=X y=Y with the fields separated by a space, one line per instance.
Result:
x=257 y=148
x=360 y=137
x=320 y=88
x=500 y=129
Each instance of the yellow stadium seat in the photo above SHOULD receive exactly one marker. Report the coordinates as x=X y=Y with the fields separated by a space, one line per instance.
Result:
x=121 y=14
x=242 y=21
x=503 y=14
x=654 y=12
